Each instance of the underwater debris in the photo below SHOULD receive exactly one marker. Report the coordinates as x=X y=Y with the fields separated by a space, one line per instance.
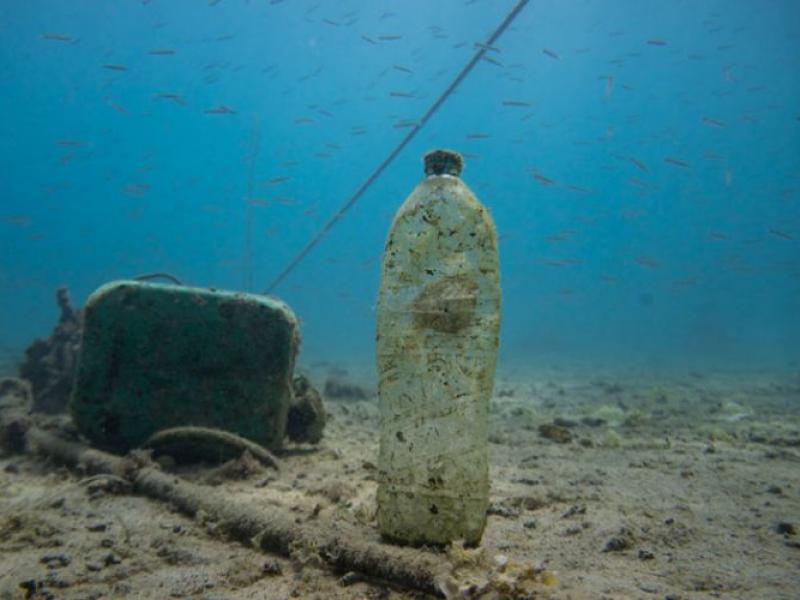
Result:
x=145 y=364
x=58 y=37
x=187 y=439
x=306 y=418
x=15 y=405
x=50 y=363
x=624 y=540
x=556 y=433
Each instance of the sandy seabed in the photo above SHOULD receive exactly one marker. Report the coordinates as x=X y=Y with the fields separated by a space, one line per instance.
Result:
x=617 y=487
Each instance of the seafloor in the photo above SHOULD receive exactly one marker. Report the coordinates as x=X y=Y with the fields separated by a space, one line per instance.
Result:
x=615 y=487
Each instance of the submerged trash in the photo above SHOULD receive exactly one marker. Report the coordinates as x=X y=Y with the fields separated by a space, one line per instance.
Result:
x=160 y=356
x=438 y=326
x=50 y=363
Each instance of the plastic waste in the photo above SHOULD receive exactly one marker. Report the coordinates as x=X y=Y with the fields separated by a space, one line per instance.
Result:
x=438 y=320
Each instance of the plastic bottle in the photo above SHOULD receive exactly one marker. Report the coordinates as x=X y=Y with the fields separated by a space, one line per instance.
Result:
x=438 y=333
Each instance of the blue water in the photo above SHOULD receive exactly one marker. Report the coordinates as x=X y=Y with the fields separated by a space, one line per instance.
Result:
x=611 y=255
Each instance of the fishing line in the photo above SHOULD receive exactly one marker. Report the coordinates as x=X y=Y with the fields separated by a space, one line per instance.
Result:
x=482 y=48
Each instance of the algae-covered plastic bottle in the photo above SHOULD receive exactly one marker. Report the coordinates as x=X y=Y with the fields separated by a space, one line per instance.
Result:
x=438 y=330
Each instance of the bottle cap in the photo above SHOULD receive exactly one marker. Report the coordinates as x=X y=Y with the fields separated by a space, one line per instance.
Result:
x=443 y=162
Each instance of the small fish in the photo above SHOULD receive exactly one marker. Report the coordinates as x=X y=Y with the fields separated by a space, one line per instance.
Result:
x=303 y=121
x=561 y=237
x=19 y=220
x=638 y=164
x=516 y=103
x=58 y=37
x=397 y=94
x=727 y=74
x=177 y=98
x=389 y=38
x=112 y=67
x=579 y=189
x=486 y=47
x=331 y=22
x=551 y=53
x=491 y=60
x=406 y=123
x=681 y=283
x=478 y=136
x=648 y=261
x=656 y=42
x=609 y=85
x=718 y=237
x=781 y=234
x=677 y=162
x=257 y=202
x=162 y=52
x=70 y=142
x=277 y=180
x=221 y=110
x=402 y=69
x=560 y=262
x=542 y=179
x=713 y=122
x=136 y=190
x=369 y=40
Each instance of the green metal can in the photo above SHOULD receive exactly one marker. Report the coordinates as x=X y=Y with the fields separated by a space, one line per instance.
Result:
x=158 y=356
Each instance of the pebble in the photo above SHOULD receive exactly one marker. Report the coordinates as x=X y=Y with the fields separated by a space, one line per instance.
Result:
x=55 y=560
x=786 y=528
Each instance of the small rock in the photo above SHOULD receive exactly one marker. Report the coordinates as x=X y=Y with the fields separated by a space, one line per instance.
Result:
x=646 y=555
x=575 y=509
x=786 y=528
x=306 y=418
x=271 y=567
x=502 y=510
x=349 y=578
x=556 y=433
x=622 y=541
x=53 y=561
